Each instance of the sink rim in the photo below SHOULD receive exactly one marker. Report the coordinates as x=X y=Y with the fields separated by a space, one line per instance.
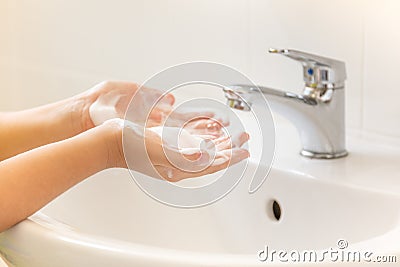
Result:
x=56 y=233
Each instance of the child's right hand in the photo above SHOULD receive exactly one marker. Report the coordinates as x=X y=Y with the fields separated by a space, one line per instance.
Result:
x=159 y=157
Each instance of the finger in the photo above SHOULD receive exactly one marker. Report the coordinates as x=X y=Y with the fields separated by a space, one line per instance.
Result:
x=155 y=116
x=223 y=120
x=234 y=156
x=204 y=123
x=240 y=139
x=221 y=140
x=230 y=157
x=170 y=99
x=187 y=155
x=167 y=100
x=159 y=113
x=218 y=118
x=191 y=159
x=204 y=127
x=224 y=145
x=152 y=123
x=207 y=136
x=189 y=116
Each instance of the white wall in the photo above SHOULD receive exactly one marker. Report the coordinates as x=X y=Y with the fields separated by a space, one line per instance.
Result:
x=58 y=48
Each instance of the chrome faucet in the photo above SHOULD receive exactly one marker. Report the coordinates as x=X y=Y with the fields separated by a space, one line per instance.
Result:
x=317 y=113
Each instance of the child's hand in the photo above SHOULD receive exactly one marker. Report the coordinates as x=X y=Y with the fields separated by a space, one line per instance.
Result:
x=109 y=100
x=170 y=159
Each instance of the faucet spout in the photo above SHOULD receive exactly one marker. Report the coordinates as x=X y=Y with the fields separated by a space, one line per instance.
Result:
x=318 y=117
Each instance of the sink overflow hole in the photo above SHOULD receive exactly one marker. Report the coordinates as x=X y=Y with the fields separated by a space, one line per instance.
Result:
x=274 y=210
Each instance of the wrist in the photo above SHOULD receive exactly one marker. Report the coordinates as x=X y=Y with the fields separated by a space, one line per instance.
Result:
x=111 y=134
x=78 y=108
x=66 y=118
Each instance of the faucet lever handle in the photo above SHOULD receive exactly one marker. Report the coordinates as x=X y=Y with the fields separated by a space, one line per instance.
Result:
x=318 y=71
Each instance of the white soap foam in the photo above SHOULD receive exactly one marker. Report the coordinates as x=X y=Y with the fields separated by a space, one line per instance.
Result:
x=104 y=108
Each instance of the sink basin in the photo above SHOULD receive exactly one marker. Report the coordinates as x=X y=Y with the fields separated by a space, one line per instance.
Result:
x=108 y=221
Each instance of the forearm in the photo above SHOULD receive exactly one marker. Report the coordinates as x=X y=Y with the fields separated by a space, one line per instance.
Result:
x=28 y=129
x=32 y=179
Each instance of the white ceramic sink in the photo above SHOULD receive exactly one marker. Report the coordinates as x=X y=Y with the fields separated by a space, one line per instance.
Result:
x=108 y=221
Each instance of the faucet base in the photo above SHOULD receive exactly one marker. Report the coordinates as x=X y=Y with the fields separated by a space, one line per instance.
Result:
x=316 y=155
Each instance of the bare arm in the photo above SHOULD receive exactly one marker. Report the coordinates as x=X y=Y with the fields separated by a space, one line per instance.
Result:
x=24 y=130
x=32 y=179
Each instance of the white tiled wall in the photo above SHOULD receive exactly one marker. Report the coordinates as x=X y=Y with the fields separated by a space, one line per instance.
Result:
x=56 y=48
x=382 y=69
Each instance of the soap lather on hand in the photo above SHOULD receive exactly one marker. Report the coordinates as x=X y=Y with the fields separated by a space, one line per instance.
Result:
x=194 y=143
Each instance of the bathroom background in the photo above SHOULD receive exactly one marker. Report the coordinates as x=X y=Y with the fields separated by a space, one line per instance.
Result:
x=52 y=49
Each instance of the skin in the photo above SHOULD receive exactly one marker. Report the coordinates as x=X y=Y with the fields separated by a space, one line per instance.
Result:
x=47 y=150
